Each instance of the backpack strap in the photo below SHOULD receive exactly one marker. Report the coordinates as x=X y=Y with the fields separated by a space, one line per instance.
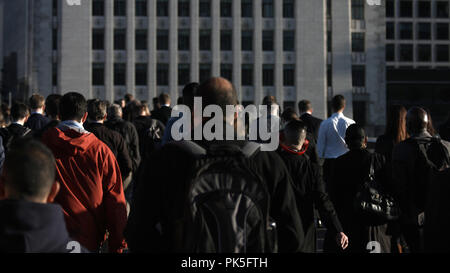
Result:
x=190 y=147
x=250 y=148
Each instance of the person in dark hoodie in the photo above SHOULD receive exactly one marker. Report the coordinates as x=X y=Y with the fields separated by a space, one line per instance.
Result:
x=29 y=222
x=91 y=193
x=309 y=187
x=37 y=119
x=52 y=110
x=17 y=130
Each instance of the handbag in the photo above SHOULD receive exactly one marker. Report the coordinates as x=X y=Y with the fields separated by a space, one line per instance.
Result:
x=372 y=203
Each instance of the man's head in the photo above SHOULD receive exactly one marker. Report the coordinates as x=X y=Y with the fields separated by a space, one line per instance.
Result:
x=416 y=120
x=188 y=94
x=52 y=106
x=288 y=115
x=115 y=111
x=305 y=106
x=355 y=137
x=37 y=103
x=20 y=112
x=269 y=101
x=217 y=91
x=164 y=99
x=73 y=106
x=338 y=103
x=143 y=110
x=97 y=110
x=156 y=104
x=295 y=134
x=128 y=98
x=29 y=172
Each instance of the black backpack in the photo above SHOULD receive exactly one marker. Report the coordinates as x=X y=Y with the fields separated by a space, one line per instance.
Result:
x=227 y=206
x=9 y=138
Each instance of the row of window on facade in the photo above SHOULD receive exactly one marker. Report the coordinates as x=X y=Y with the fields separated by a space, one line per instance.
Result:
x=423 y=53
x=423 y=31
x=419 y=9
x=205 y=40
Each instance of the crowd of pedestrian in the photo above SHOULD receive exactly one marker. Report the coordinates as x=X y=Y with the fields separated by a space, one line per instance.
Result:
x=108 y=177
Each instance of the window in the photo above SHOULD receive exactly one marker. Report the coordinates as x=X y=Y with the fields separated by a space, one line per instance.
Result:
x=442 y=31
x=183 y=39
x=55 y=7
x=406 y=32
x=205 y=8
x=406 y=53
x=98 y=74
x=225 y=40
x=141 y=74
x=119 y=39
x=390 y=52
x=442 y=9
x=358 y=43
x=267 y=8
x=226 y=8
x=424 y=31
x=247 y=8
x=288 y=40
x=162 y=39
x=390 y=8
x=288 y=8
x=226 y=71
x=267 y=40
x=360 y=112
x=390 y=30
x=328 y=8
x=205 y=72
x=141 y=7
x=329 y=76
x=98 y=39
x=424 y=53
x=184 y=76
x=406 y=8
x=162 y=8
x=442 y=53
x=119 y=74
x=358 y=9
x=289 y=75
x=55 y=74
x=247 y=40
x=183 y=8
x=120 y=8
x=268 y=75
x=141 y=39
x=329 y=41
x=359 y=75
x=424 y=9
x=98 y=8
x=205 y=39
x=162 y=74
x=247 y=75
x=55 y=39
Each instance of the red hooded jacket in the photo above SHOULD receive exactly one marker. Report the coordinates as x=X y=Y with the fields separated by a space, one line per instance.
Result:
x=91 y=193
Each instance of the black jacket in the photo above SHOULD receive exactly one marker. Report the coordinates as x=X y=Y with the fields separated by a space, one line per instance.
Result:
x=146 y=144
x=444 y=130
x=37 y=121
x=130 y=135
x=310 y=193
x=12 y=132
x=160 y=200
x=115 y=142
x=27 y=227
x=313 y=124
x=162 y=114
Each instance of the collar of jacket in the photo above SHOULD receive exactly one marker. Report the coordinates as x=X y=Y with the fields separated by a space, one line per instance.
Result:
x=72 y=125
x=295 y=152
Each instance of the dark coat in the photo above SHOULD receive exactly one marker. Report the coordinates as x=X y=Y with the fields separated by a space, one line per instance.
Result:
x=130 y=135
x=115 y=142
x=12 y=132
x=27 y=227
x=348 y=175
x=37 y=121
x=310 y=193
x=143 y=124
x=162 y=114
x=444 y=131
x=160 y=200
x=313 y=124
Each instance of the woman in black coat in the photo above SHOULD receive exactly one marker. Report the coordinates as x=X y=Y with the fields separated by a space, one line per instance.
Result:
x=349 y=173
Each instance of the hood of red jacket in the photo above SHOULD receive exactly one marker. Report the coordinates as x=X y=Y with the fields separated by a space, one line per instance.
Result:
x=68 y=142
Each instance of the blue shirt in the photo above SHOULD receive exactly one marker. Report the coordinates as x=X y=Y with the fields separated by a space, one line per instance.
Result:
x=331 y=140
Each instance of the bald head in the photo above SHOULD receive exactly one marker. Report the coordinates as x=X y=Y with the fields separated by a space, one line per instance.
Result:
x=416 y=120
x=218 y=91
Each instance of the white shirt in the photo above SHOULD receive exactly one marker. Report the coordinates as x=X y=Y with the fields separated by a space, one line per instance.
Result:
x=331 y=140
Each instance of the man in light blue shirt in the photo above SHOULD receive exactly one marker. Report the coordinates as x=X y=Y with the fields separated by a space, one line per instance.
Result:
x=331 y=142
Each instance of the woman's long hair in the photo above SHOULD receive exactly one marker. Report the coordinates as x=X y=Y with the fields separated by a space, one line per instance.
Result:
x=396 y=123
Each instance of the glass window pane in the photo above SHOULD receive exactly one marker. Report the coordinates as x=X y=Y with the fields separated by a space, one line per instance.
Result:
x=247 y=8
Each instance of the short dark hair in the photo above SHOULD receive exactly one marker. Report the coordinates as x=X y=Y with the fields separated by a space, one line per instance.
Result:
x=114 y=111
x=29 y=169
x=269 y=100
x=128 y=98
x=96 y=109
x=338 y=103
x=19 y=111
x=289 y=114
x=355 y=136
x=295 y=131
x=218 y=91
x=188 y=94
x=52 y=105
x=304 y=105
x=72 y=106
x=36 y=101
x=416 y=120
x=164 y=98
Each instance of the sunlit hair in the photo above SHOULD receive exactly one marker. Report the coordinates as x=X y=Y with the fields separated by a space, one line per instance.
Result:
x=396 y=123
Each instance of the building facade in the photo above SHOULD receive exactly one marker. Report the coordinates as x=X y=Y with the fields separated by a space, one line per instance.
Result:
x=292 y=49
